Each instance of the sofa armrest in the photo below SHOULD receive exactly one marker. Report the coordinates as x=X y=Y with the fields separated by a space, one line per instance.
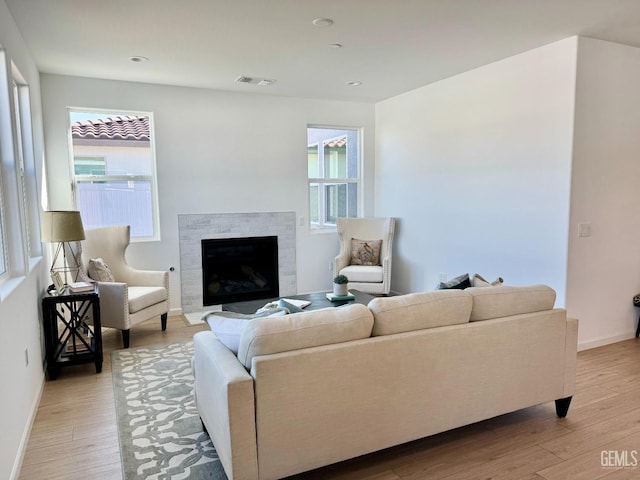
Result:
x=341 y=261
x=225 y=399
x=386 y=270
x=114 y=305
x=146 y=278
x=571 y=354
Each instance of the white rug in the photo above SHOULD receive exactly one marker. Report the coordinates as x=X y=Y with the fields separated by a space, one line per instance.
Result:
x=195 y=318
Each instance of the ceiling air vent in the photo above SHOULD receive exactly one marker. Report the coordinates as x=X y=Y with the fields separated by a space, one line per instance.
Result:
x=261 y=82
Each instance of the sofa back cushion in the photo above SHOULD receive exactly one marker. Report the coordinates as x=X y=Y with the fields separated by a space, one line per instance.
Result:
x=504 y=301
x=263 y=336
x=416 y=311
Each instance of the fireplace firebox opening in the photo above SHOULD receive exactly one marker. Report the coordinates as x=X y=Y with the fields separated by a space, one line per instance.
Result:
x=239 y=269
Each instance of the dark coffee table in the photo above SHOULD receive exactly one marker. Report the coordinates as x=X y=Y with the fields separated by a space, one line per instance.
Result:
x=318 y=301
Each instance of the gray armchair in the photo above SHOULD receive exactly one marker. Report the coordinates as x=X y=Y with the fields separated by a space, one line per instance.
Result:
x=135 y=295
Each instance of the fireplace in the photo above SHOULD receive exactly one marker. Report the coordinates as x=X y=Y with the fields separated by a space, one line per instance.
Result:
x=239 y=269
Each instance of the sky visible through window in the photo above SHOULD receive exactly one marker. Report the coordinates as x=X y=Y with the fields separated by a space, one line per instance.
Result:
x=80 y=116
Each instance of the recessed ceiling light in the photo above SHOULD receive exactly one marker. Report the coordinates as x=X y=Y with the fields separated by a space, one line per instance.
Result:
x=323 y=22
x=336 y=45
x=354 y=83
x=138 y=59
x=261 y=82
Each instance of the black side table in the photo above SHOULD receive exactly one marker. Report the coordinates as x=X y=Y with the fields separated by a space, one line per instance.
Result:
x=69 y=338
x=636 y=303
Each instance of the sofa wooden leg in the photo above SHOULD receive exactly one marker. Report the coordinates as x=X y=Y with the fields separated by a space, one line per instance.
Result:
x=125 y=338
x=638 y=329
x=163 y=321
x=562 y=406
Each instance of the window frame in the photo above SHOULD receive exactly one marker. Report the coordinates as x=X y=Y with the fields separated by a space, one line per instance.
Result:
x=323 y=181
x=23 y=124
x=152 y=178
x=5 y=273
x=6 y=155
x=20 y=248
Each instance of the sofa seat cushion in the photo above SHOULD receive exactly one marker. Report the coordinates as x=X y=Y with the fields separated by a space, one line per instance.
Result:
x=363 y=273
x=416 y=311
x=143 y=297
x=264 y=336
x=504 y=301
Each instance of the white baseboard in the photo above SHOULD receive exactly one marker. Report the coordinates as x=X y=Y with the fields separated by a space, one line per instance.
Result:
x=24 y=441
x=605 y=341
x=174 y=312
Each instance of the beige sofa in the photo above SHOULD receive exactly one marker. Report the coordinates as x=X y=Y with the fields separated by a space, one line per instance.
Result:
x=315 y=388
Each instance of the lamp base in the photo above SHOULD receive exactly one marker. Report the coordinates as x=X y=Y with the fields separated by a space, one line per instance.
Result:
x=70 y=267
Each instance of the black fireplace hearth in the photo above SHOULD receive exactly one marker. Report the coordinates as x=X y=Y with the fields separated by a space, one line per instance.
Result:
x=239 y=269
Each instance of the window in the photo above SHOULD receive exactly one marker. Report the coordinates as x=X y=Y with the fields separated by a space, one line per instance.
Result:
x=6 y=165
x=3 y=250
x=26 y=164
x=89 y=166
x=333 y=172
x=19 y=219
x=114 y=170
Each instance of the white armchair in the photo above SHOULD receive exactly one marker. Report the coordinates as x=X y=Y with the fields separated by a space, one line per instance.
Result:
x=135 y=295
x=373 y=279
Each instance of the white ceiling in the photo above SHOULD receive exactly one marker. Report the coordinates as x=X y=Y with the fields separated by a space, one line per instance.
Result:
x=391 y=46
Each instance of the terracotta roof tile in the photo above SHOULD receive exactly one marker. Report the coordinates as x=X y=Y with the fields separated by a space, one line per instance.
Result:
x=128 y=127
x=337 y=142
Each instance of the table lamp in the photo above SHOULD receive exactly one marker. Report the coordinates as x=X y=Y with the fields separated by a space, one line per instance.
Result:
x=63 y=227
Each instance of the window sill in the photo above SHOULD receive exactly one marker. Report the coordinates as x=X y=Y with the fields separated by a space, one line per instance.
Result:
x=34 y=262
x=9 y=286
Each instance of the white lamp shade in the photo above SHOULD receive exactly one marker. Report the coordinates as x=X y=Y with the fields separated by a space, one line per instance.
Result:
x=62 y=226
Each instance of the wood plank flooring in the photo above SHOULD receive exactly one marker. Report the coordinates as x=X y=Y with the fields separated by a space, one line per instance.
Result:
x=75 y=435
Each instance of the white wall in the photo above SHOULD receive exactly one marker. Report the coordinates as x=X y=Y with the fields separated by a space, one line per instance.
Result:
x=477 y=169
x=604 y=269
x=217 y=152
x=19 y=308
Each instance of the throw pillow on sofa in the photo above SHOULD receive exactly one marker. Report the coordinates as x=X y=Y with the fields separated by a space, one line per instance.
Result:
x=99 y=271
x=478 y=281
x=461 y=282
x=365 y=252
x=228 y=326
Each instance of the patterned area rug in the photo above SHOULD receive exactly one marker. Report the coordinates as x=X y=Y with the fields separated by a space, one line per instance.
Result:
x=161 y=436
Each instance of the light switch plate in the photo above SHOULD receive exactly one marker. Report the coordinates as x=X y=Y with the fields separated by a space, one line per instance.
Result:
x=584 y=229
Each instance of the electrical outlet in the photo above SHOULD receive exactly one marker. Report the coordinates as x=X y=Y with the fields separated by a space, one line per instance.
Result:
x=584 y=229
x=26 y=357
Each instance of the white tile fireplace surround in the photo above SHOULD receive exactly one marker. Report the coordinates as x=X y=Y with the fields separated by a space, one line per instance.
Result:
x=193 y=228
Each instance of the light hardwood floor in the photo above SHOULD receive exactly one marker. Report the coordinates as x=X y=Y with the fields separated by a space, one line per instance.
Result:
x=75 y=435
